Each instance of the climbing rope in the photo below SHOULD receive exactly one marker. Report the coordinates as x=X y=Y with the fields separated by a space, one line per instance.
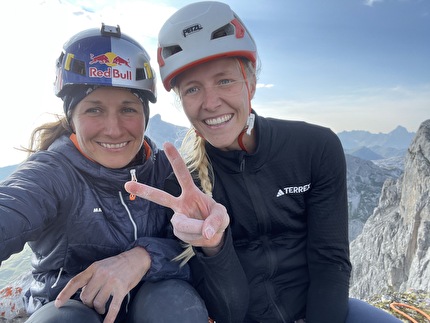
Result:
x=394 y=304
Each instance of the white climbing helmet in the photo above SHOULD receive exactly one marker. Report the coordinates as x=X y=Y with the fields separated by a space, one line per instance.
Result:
x=200 y=32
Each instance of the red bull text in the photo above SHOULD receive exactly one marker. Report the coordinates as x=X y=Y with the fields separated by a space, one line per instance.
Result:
x=110 y=73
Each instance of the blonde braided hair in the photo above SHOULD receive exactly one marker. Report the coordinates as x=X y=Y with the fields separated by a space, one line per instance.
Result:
x=193 y=151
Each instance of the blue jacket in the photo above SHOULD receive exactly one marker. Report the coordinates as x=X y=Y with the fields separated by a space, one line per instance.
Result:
x=73 y=212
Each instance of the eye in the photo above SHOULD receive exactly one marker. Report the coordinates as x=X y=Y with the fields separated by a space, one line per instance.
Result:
x=190 y=91
x=93 y=110
x=129 y=110
x=225 y=82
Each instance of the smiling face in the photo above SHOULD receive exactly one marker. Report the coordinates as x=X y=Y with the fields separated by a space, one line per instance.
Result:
x=109 y=124
x=215 y=99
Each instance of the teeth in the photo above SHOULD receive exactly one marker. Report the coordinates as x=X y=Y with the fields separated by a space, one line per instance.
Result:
x=113 y=146
x=219 y=120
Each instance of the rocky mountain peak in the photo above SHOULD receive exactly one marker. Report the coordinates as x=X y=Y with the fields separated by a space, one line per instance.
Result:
x=392 y=252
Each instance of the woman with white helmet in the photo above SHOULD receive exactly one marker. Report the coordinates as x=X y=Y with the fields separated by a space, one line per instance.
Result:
x=269 y=238
x=99 y=254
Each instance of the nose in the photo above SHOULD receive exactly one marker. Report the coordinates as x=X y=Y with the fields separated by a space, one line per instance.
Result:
x=113 y=125
x=211 y=98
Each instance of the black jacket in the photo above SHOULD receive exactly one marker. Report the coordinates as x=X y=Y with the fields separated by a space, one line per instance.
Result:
x=286 y=253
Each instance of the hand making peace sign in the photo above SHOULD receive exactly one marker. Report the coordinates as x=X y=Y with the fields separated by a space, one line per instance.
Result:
x=198 y=219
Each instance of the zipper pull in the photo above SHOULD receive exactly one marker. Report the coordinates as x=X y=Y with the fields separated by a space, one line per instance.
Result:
x=242 y=165
x=134 y=179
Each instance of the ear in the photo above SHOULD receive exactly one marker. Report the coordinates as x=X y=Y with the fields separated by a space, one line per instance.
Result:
x=252 y=85
x=72 y=126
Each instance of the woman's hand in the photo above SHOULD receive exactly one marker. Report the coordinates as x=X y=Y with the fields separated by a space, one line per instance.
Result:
x=198 y=219
x=107 y=280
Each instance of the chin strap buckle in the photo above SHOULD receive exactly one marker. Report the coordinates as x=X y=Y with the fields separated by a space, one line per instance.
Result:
x=250 y=123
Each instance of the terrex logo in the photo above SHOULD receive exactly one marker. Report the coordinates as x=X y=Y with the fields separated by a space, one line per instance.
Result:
x=109 y=59
x=192 y=29
x=293 y=190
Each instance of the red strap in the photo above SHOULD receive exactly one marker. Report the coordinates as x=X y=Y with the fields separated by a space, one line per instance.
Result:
x=240 y=140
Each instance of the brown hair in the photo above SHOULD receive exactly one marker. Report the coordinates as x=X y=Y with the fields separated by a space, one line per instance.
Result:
x=43 y=136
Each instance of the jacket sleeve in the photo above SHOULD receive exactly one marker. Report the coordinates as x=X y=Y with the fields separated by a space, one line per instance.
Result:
x=28 y=202
x=220 y=279
x=328 y=246
x=222 y=283
x=162 y=252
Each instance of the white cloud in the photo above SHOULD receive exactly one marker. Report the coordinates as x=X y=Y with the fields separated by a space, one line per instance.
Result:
x=380 y=109
x=371 y=2
x=261 y=85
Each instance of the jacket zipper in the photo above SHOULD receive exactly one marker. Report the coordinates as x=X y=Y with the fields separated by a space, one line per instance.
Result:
x=133 y=178
x=132 y=197
x=264 y=225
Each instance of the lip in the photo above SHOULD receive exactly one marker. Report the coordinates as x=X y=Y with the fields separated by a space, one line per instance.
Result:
x=218 y=121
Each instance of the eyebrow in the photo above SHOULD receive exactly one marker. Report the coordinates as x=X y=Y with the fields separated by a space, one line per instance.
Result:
x=225 y=73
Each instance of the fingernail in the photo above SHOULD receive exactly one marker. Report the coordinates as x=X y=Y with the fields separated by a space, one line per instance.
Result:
x=209 y=232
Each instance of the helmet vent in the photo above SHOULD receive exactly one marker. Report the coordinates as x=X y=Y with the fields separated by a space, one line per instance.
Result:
x=226 y=30
x=77 y=66
x=171 y=50
x=141 y=74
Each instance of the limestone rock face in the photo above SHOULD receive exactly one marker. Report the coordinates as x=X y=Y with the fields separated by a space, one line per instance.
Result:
x=365 y=180
x=392 y=252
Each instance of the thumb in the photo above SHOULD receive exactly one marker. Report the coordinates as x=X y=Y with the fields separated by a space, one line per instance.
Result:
x=215 y=223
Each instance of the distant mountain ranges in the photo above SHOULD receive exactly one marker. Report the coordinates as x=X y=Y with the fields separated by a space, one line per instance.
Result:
x=369 y=146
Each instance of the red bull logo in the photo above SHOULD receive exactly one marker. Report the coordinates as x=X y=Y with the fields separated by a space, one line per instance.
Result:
x=109 y=59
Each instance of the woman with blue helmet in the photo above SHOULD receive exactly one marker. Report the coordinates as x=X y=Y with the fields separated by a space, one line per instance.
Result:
x=99 y=253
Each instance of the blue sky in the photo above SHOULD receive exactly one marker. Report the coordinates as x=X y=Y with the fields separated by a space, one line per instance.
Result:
x=344 y=64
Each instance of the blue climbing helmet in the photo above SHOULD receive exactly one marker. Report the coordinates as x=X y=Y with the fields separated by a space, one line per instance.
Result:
x=104 y=57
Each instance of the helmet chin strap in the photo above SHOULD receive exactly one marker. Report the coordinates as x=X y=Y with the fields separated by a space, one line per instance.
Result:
x=247 y=130
x=250 y=123
x=251 y=117
x=240 y=141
